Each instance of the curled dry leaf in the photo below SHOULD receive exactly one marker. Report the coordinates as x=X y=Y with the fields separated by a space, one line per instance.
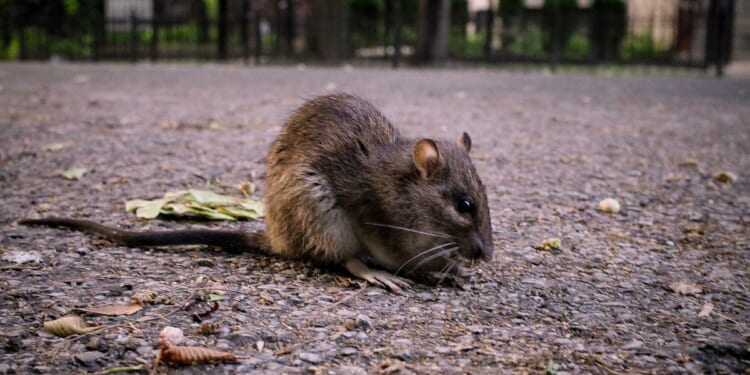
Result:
x=68 y=325
x=198 y=317
x=193 y=354
x=684 y=288
x=707 y=309
x=171 y=336
x=725 y=177
x=144 y=297
x=121 y=309
x=208 y=328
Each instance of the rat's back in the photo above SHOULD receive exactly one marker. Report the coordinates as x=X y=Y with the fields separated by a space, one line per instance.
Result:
x=326 y=139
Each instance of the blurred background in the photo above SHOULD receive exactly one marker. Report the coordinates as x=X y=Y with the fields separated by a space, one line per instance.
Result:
x=681 y=33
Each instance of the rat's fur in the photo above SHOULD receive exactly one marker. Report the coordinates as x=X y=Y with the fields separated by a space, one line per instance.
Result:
x=344 y=187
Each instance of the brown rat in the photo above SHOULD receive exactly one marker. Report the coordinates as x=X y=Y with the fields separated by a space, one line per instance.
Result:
x=344 y=187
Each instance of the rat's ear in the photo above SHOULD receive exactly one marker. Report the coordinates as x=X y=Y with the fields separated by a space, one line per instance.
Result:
x=464 y=141
x=427 y=158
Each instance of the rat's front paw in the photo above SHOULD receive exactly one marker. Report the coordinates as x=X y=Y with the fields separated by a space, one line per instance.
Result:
x=377 y=277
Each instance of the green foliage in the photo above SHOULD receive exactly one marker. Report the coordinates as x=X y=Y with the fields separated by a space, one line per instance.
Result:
x=366 y=30
x=459 y=13
x=566 y=11
x=212 y=9
x=642 y=46
x=611 y=6
x=366 y=8
x=11 y=50
x=467 y=46
x=509 y=8
x=609 y=28
x=71 y=7
x=577 y=47
x=530 y=43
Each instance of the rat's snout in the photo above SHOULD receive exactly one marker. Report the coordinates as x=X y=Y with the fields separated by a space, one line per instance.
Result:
x=478 y=249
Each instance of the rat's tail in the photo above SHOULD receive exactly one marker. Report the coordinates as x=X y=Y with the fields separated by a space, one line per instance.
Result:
x=232 y=240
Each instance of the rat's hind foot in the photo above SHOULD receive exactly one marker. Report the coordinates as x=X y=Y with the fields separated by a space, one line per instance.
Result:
x=376 y=277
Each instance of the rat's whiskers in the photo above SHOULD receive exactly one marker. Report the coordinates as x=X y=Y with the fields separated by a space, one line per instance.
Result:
x=430 y=250
x=447 y=269
x=440 y=235
x=442 y=253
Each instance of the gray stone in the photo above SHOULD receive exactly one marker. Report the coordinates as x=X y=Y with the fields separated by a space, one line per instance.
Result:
x=633 y=345
x=313 y=358
x=89 y=358
x=348 y=370
x=363 y=322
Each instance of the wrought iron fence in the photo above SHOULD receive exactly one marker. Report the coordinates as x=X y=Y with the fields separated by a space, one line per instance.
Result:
x=663 y=32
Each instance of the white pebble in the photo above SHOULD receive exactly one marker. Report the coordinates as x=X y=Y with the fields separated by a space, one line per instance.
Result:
x=609 y=205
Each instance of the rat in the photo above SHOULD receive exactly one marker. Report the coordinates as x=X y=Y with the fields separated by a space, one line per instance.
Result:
x=344 y=187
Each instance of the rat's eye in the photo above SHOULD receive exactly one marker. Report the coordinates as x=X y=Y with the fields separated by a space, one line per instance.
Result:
x=465 y=205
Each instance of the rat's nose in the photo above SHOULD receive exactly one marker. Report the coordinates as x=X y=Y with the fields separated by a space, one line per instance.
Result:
x=478 y=249
x=488 y=251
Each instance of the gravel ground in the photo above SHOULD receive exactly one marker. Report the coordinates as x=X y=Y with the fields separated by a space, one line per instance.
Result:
x=661 y=287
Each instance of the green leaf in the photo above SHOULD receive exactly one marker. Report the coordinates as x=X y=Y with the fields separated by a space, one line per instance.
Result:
x=215 y=297
x=145 y=209
x=552 y=368
x=209 y=198
x=252 y=205
x=197 y=203
x=239 y=212
x=74 y=173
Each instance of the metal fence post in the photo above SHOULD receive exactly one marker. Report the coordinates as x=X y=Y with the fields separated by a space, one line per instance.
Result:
x=222 y=42
x=490 y=24
x=243 y=31
x=258 y=36
x=398 y=21
x=155 y=21
x=133 y=36
x=556 y=26
x=98 y=26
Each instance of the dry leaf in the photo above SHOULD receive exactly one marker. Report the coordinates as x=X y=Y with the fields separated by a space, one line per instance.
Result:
x=74 y=173
x=193 y=354
x=208 y=328
x=550 y=244
x=246 y=188
x=144 y=297
x=684 y=288
x=200 y=203
x=689 y=163
x=707 y=309
x=171 y=336
x=259 y=345
x=118 y=370
x=68 y=325
x=57 y=146
x=725 y=177
x=120 y=309
x=21 y=257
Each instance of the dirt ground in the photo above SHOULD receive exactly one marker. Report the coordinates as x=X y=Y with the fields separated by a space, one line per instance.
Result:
x=661 y=287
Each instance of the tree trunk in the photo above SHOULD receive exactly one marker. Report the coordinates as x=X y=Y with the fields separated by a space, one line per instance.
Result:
x=329 y=26
x=432 y=36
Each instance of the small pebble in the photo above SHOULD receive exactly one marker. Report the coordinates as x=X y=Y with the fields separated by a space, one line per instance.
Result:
x=609 y=205
x=310 y=357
